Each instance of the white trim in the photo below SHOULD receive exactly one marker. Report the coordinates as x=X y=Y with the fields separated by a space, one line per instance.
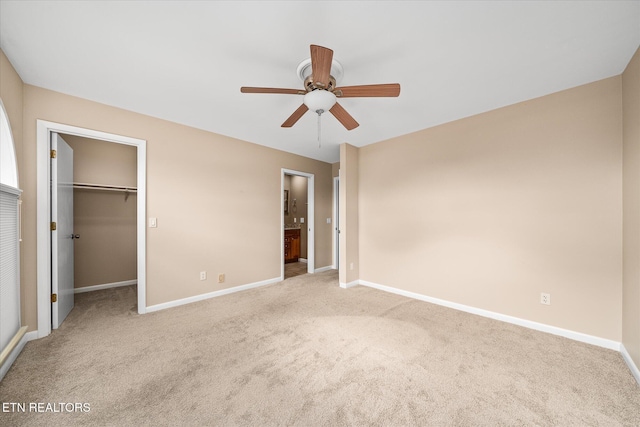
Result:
x=43 y=130
x=202 y=297
x=29 y=336
x=576 y=336
x=311 y=230
x=350 y=284
x=302 y=260
x=629 y=361
x=11 y=190
x=326 y=268
x=13 y=355
x=104 y=286
x=334 y=232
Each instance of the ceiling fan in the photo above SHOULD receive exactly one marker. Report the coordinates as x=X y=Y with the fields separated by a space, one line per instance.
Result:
x=320 y=92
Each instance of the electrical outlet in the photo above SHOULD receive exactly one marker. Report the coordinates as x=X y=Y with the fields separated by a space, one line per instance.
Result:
x=203 y=275
x=545 y=299
x=221 y=278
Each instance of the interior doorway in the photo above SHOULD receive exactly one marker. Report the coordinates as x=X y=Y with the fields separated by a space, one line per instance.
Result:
x=297 y=220
x=45 y=130
x=103 y=218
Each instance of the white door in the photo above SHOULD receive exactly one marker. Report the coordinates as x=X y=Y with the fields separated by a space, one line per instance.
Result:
x=62 y=237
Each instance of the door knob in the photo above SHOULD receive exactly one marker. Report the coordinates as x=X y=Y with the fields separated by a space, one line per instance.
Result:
x=75 y=236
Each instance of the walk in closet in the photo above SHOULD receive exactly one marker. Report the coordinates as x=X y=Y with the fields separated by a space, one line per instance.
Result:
x=105 y=208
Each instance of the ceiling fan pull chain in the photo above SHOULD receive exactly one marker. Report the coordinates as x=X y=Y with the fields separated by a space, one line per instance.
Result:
x=319 y=141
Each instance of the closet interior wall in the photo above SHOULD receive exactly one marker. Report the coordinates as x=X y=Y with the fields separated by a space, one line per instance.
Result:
x=106 y=252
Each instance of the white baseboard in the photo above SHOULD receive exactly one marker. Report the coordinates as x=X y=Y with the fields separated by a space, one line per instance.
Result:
x=629 y=361
x=321 y=269
x=350 y=284
x=202 y=297
x=104 y=286
x=577 y=336
x=302 y=260
x=29 y=336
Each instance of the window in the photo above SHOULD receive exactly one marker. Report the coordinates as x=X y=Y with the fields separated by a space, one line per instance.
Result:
x=8 y=167
x=9 y=238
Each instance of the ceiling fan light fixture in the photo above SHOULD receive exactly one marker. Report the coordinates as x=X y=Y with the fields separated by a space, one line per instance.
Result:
x=319 y=100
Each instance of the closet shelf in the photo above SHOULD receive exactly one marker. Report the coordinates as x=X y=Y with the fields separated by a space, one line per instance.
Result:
x=103 y=187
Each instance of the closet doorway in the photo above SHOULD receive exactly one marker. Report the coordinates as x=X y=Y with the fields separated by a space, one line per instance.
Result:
x=109 y=213
x=297 y=217
x=104 y=213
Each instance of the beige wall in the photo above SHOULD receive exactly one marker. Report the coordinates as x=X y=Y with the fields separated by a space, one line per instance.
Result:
x=335 y=169
x=631 y=203
x=491 y=210
x=106 y=221
x=349 y=264
x=102 y=162
x=217 y=199
x=106 y=251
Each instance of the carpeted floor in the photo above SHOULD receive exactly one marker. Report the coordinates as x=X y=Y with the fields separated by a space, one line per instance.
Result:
x=305 y=352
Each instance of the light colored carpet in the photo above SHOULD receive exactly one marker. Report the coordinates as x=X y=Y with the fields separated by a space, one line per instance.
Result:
x=305 y=352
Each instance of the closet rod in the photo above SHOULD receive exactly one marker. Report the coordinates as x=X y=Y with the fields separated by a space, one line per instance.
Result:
x=86 y=186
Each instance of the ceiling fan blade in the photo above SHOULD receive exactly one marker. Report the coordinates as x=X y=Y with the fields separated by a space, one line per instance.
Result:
x=383 y=90
x=295 y=116
x=246 y=89
x=343 y=117
x=321 y=58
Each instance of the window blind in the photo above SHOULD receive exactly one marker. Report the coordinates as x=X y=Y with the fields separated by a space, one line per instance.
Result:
x=9 y=265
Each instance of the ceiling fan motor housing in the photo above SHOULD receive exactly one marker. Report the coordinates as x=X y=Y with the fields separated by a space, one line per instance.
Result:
x=304 y=71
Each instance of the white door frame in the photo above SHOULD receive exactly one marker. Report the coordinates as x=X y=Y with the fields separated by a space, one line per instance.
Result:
x=311 y=230
x=43 y=218
x=336 y=223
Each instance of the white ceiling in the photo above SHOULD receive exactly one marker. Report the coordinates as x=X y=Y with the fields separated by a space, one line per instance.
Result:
x=185 y=61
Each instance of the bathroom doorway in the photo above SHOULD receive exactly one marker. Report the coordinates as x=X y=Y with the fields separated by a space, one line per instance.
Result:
x=297 y=223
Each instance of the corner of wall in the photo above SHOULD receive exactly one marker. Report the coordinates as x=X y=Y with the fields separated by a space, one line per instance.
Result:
x=349 y=270
x=631 y=211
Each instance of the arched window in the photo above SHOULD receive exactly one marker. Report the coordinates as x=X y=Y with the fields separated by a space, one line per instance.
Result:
x=10 y=330
x=8 y=164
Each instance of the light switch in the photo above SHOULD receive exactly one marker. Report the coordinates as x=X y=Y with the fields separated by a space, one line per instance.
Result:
x=328 y=220
x=301 y=220
x=153 y=222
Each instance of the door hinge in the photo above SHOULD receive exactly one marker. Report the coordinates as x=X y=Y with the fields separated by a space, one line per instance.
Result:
x=54 y=226
x=53 y=154
x=54 y=297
